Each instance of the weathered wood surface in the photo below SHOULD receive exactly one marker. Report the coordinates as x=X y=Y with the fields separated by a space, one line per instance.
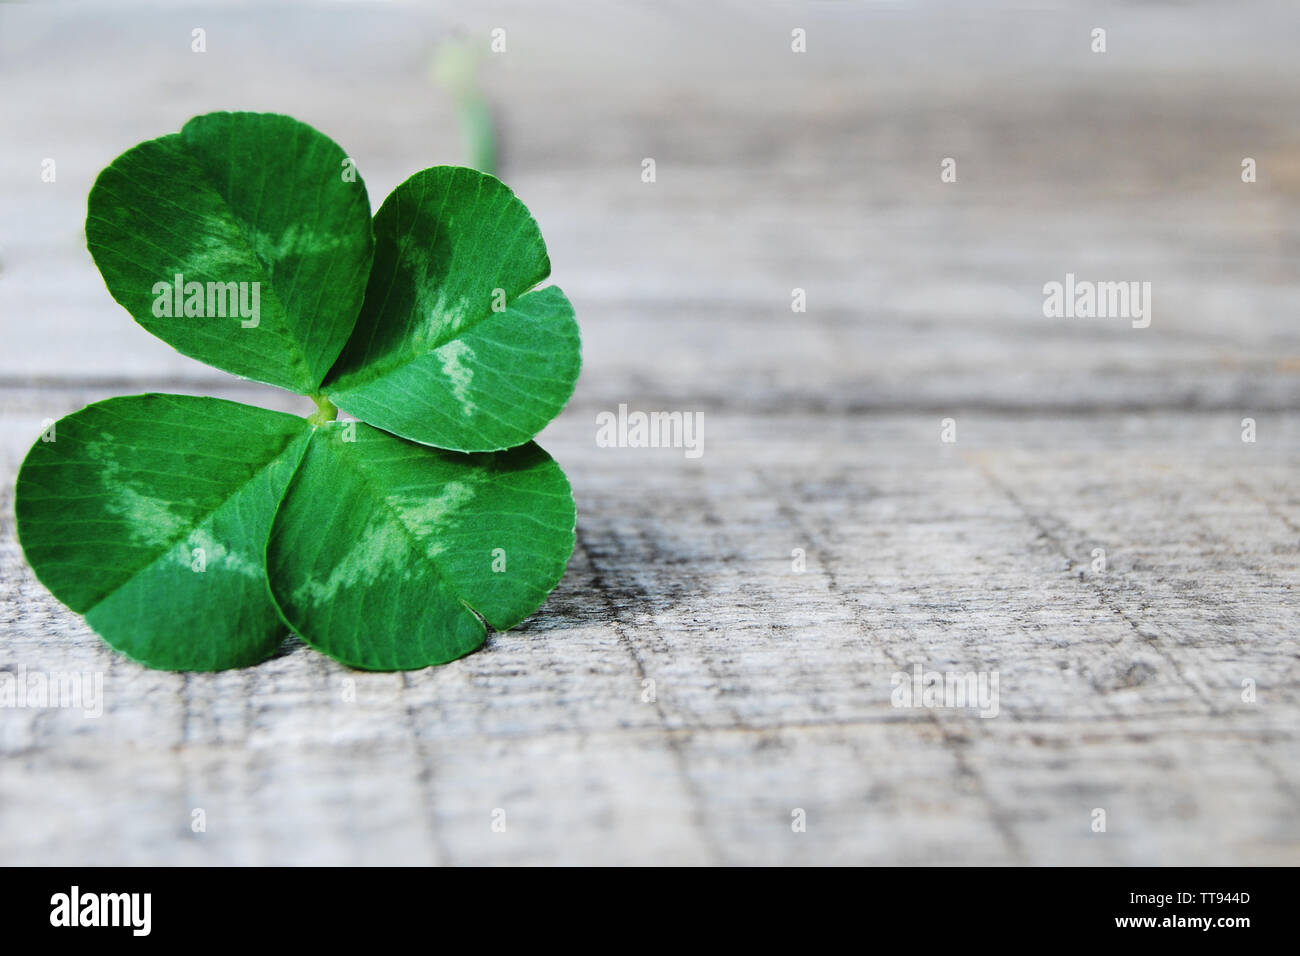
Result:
x=1119 y=689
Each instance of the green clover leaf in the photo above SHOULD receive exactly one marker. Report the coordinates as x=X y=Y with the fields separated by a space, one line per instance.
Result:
x=150 y=514
x=256 y=200
x=196 y=533
x=452 y=349
x=421 y=543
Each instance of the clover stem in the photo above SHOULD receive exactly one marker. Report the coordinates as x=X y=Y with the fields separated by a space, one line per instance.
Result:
x=326 y=411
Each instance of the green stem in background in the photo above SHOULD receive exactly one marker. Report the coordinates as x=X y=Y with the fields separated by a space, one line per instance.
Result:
x=476 y=127
x=455 y=66
x=326 y=411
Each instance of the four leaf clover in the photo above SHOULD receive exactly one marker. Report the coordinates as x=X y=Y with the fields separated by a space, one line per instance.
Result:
x=192 y=531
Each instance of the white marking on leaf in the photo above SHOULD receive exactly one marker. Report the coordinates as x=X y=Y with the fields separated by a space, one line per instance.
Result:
x=455 y=357
x=382 y=551
x=151 y=521
x=428 y=516
x=217 y=555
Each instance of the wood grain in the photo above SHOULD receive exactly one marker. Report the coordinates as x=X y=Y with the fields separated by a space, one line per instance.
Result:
x=1119 y=689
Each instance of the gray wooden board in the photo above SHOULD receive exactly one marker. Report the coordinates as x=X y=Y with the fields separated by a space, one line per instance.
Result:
x=1119 y=689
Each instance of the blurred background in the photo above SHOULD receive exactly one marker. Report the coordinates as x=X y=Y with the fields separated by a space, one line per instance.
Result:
x=775 y=170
